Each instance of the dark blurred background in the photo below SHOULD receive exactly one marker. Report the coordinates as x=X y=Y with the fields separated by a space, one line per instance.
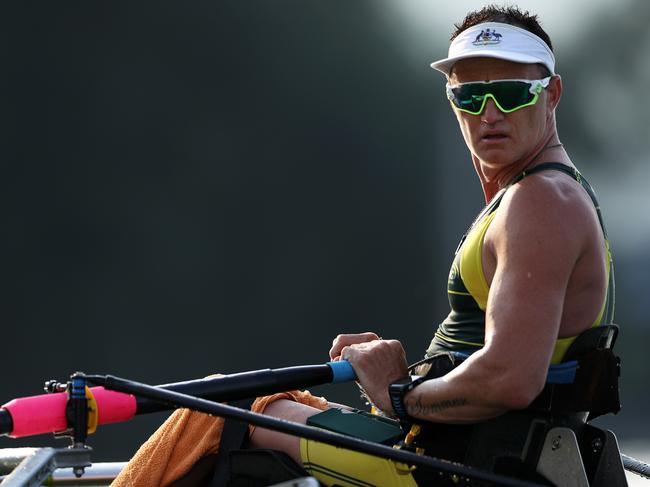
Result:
x=200 y=187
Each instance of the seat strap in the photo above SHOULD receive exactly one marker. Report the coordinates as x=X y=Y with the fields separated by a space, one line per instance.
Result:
x=233 y=436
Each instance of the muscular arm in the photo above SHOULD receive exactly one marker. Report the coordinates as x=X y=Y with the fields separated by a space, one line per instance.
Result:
x=534 y=244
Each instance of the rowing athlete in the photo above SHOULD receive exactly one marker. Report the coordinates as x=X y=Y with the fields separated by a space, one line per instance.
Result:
x=531 y=274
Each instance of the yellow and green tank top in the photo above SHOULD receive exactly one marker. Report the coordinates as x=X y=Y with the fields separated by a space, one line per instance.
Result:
x=463 y=330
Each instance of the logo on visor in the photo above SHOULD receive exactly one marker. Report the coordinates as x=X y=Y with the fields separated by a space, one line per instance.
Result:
x=487 y=37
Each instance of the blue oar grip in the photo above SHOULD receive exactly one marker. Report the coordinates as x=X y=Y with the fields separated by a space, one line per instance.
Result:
x=342 y=371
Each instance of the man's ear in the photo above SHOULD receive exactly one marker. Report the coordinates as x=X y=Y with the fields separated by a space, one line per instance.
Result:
x=554 y=92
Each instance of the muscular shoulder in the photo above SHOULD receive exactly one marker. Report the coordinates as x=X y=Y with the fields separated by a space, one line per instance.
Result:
x=545 y=214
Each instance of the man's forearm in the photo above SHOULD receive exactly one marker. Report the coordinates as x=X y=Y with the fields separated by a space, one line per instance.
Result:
x=432 y=401
x=470 y=393
x=419 y=408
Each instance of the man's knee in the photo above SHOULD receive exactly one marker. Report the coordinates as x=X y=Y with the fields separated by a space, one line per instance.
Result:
x=290 y=411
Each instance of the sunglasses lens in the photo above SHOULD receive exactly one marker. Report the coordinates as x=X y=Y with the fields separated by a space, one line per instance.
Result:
x=510 y=95
x=469 y=97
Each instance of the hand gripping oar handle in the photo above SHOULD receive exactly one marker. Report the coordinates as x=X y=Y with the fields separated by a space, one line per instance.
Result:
x=46 y=413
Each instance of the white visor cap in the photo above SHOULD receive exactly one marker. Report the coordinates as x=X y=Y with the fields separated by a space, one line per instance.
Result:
x=497 y=40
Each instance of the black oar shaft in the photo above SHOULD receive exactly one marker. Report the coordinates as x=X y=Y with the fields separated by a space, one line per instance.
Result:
x=176 y=399
x=244 y=385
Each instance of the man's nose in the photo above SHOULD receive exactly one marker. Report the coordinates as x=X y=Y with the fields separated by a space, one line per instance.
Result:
x=491 y=113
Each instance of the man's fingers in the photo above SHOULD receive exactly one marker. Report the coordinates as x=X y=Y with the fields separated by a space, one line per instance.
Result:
x=377 y=363
x=345 y=340
x=373 y=349
x=345 y=353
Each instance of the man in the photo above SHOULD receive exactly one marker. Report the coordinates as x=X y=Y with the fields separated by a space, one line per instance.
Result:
x=532 y=273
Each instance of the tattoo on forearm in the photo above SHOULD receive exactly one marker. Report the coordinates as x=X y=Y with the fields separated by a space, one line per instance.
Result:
x=417 y=407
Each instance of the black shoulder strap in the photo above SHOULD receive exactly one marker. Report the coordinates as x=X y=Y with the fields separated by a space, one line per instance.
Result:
x=545 y=166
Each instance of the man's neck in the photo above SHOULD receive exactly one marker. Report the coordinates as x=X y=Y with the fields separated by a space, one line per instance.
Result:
x=492 y=181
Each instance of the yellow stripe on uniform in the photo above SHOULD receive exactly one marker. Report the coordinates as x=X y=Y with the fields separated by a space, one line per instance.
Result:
x=455 y=340
x=458 y=292
x=471 y=262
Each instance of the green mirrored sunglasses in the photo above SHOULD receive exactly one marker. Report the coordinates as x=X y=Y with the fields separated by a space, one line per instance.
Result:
x=508 y=94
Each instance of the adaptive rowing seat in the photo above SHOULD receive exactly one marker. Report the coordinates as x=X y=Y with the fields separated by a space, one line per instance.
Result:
x=552 y=438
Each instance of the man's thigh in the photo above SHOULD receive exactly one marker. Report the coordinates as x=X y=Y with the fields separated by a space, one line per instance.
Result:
x=328 y=463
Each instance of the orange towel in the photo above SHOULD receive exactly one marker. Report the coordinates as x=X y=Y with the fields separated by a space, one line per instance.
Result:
x=186 y=437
